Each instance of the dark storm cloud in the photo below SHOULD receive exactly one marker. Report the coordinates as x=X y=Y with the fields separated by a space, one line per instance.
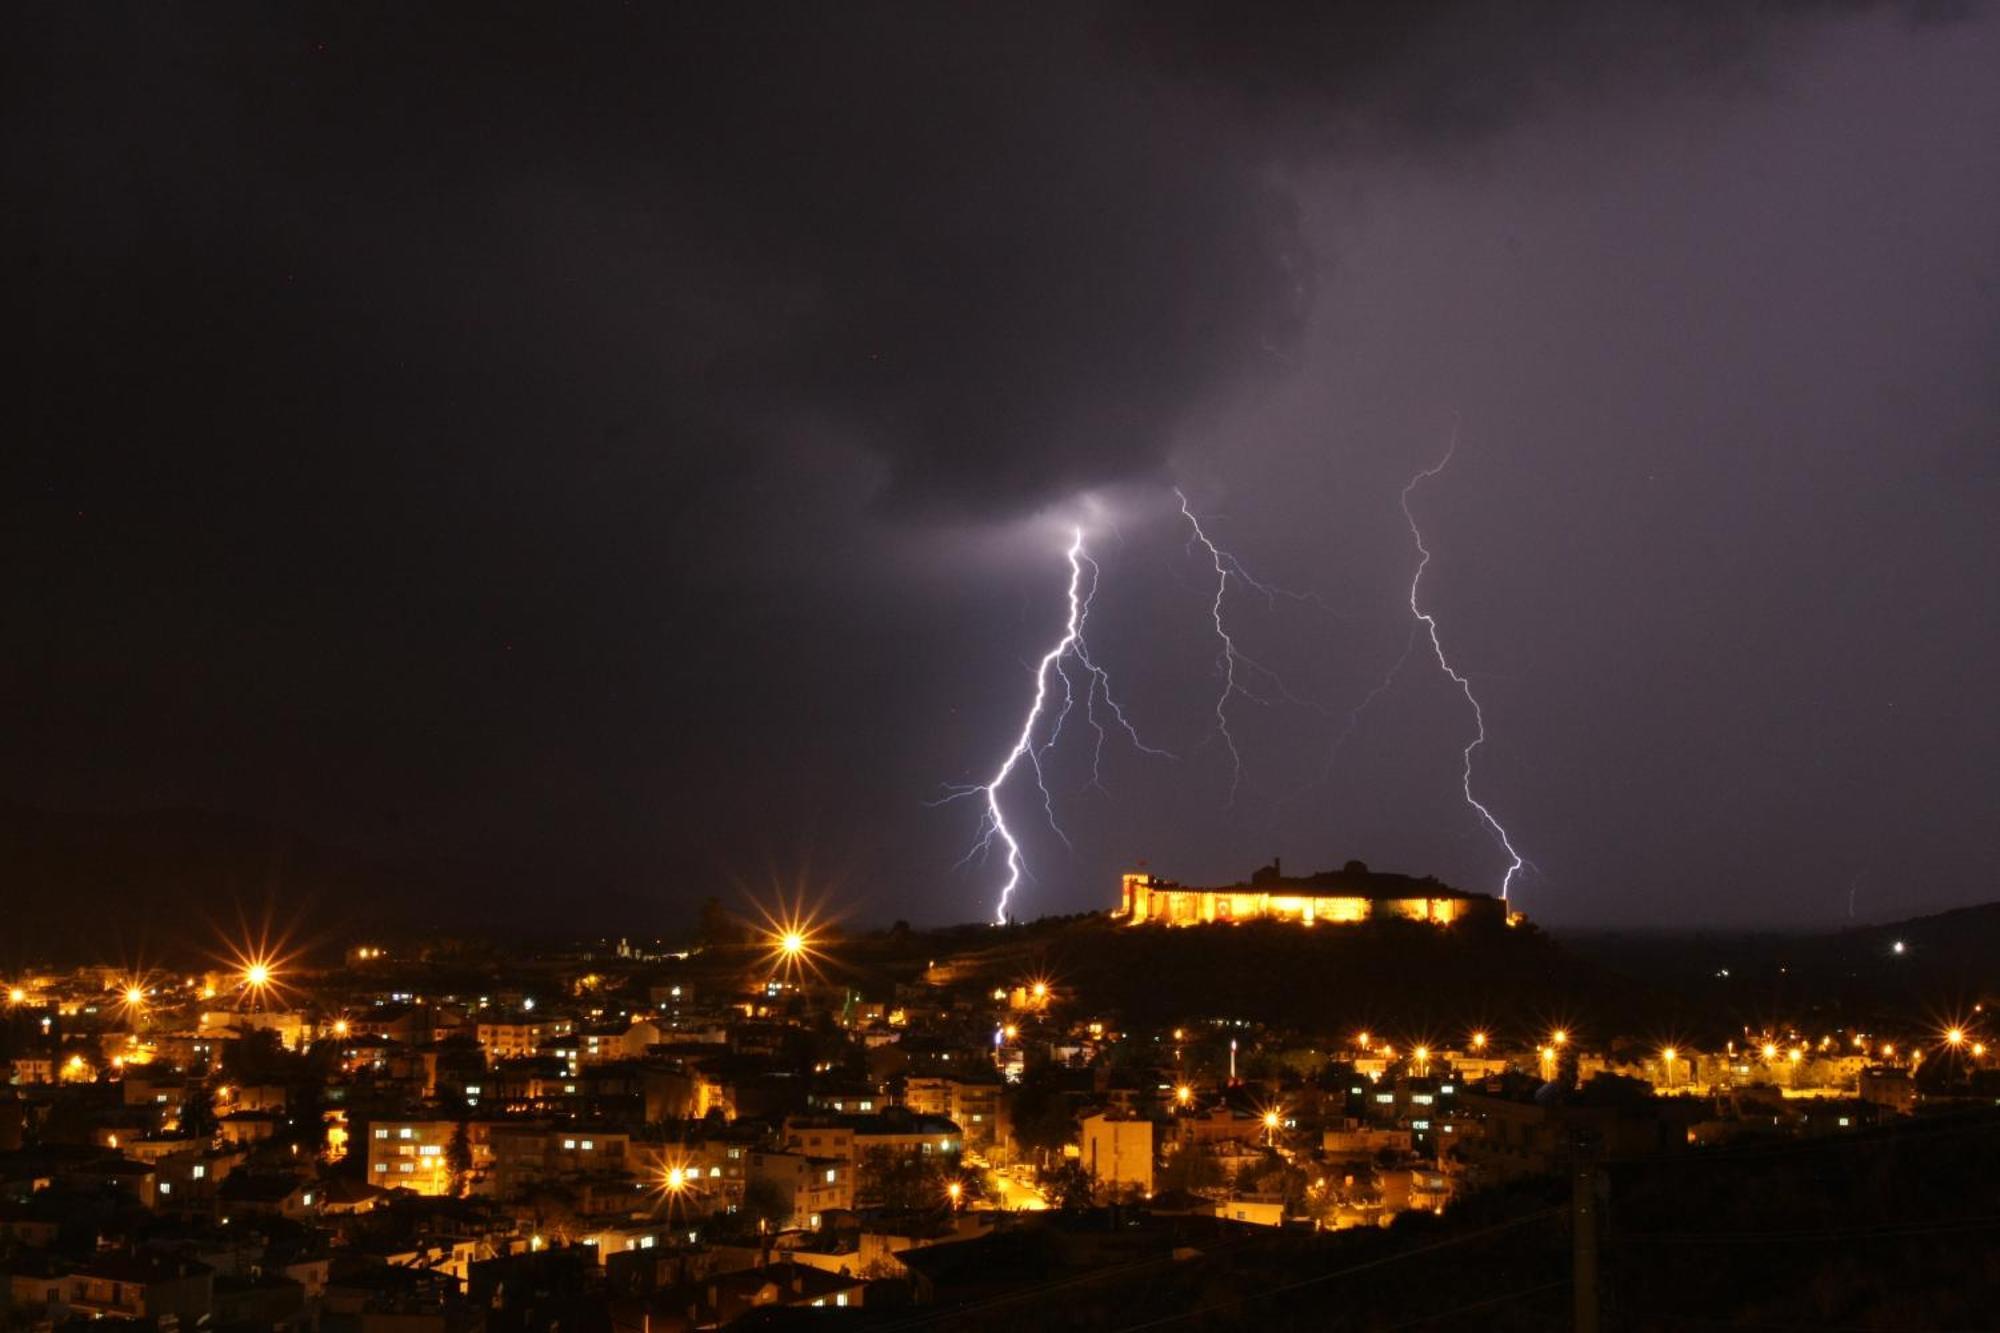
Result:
x=1005 y=251
x=509 y=424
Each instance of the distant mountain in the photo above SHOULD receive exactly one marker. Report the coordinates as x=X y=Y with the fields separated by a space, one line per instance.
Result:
x=174 y=884
x=1940 y=964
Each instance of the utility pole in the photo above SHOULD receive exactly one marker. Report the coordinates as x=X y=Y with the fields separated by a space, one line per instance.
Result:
x=1584 y=1220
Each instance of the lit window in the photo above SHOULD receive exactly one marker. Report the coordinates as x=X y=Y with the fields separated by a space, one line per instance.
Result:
x=198 y=1172
x=830 y=1172
x=405 y=1133
x=1420 y=1124
x=1385 y=1096
x=840 y=1298
x=166 y=1187
x=569 y=1145
x=588 y=1145
x=381 y=1167
x=1421 y=1098
x=714 y=1171
x=381 y=1133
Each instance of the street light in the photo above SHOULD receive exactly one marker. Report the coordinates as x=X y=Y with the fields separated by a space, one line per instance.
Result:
x=1479 y=1041
x=1667 y=1057
x=1183 y=1095
x=956 y=1191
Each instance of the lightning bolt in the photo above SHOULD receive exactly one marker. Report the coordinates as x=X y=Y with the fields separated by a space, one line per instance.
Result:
x=1514 y=859
x=1231 y=657
x=1072 y=647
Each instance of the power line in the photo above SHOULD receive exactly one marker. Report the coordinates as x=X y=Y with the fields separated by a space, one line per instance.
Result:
x=1467 y=1308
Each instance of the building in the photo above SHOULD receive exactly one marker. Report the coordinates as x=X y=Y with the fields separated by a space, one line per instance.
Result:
x=1352 y=893
x=410 y=1154
x=1118 y=1151
x=812 y=1186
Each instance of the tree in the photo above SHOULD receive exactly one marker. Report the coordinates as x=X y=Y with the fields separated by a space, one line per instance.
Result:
x=1192 y=1170
x=198 y=1113
x=1070 y=1187
x=1041 y=1112
x=765 y=1200
x=458 y=1160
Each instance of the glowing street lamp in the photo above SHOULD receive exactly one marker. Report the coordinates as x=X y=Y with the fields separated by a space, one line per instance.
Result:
x=16 y=995
x=956 y=1191
x=1479 y=1041
x=1560 y=1037
x=1667 y=1056
x=1770 y=1051
x=1183 y=1096
x=1954 y=1037
x=1423 y=1056
x=1548 y=1062
x=1272 y=1119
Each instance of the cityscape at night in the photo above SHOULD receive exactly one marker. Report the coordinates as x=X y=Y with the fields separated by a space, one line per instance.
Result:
x=1134 y=665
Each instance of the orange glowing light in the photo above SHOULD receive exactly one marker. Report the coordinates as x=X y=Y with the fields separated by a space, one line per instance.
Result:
x=1560 y=1037
x=1955 y=1037
x=1479 y=1041
x=1770 y=1050
x=134 y=997
x=791 y=941
x=1183 y=1094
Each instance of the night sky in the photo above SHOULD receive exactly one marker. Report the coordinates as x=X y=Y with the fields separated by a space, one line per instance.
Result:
x=636 y=447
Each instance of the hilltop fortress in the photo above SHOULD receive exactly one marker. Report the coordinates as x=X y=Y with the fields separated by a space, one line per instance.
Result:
x=1351 y=893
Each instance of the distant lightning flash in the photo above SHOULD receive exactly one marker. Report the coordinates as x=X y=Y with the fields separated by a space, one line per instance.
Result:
x=1231 y=657
x=1070 y=647
x=1515 y=861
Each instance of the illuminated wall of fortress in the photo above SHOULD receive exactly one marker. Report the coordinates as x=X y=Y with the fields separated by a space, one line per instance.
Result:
x=1145 y=900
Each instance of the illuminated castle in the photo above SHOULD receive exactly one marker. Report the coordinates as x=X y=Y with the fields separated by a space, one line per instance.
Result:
x=1352 y=893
